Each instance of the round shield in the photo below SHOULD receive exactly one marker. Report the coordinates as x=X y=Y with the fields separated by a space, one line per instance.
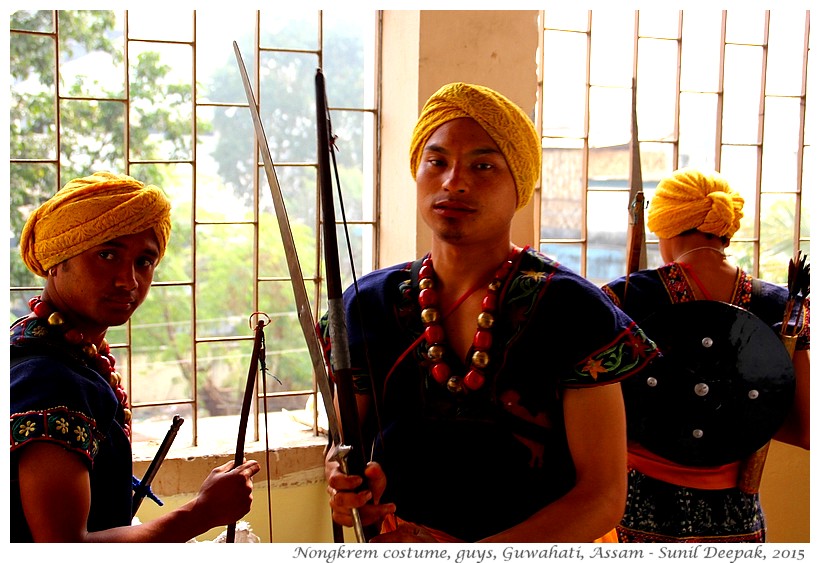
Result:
x=719 y=392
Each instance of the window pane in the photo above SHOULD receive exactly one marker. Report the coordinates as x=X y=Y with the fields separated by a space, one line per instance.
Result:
x=32 y=118
x=606 y=163
x=222 y=371
x=92 y=67
x=91 y=138
x=357 y=236
x=745 y=26
x=289 y=28
x=362 y=244
x=145 y=24
x=210 y=179
x=716 y=120
x=656 y=162
x=608 y=219
x=698 y=124
x=738 y=166
x=18 y=303
x=741 y=103
x=288 y=106
x=162 y=357
x=224 y=289
x=571 y=19
x=348 y=56
x=564 y=92
x=218 y=202
x=348 y=127
x=742 y=254
x=32 y=20
x=610 y=116
x=657 y=82
x=286 y=354
x=776 y=236
x=29 y=186
x=658 y=23
x=784 y=66
x=225 y=150
x=562 y=193
x=700 y=63
x=298 y=185
x=161 y=93
x=217 y=71
x=781 y=133
x=612 y=50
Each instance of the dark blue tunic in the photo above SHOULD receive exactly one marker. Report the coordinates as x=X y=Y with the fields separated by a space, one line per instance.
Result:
x=56 y=398
x=475 y=464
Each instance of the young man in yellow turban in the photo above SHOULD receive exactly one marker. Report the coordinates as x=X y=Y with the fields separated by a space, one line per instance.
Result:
x=97 y=243
x=491 y=369
x=691 y=486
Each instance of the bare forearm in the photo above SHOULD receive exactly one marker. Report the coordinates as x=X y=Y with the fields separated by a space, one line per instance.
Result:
x=177 y=526
x=578 y=516
x=596 y=503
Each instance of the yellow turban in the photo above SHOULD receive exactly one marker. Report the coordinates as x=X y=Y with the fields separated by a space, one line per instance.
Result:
x=90 y=211
x=504 y=122
x=690 y=199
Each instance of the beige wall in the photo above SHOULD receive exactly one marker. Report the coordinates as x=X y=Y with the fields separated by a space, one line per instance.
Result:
x=785 y=494
x=422 y=51
x=296 y=498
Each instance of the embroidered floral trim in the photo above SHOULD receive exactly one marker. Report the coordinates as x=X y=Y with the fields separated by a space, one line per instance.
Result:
x=612 y=297
x=630 y=350
x=742 y=296
x=65 y=427
x=676 y=284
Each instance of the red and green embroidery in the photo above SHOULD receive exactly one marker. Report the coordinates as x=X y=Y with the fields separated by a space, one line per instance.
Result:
x=630 y=349
x=60 y=425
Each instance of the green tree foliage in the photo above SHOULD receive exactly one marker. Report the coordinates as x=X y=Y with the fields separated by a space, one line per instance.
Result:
x=91 y=132
x=159 y=126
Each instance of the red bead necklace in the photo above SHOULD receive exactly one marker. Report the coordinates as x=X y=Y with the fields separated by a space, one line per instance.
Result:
x=100 y=359
x=434 y=332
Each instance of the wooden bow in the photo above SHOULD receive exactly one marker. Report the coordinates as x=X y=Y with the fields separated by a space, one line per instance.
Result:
x=349 y=450
x=635 y=254
x=257 y=357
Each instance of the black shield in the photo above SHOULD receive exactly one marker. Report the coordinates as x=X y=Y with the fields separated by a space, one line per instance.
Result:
x=720 y=391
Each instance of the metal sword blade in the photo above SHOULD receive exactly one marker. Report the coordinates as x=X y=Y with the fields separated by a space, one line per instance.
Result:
x=306 y=319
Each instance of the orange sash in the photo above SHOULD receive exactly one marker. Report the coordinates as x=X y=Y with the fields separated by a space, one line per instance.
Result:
x=391 y=523
x=657 y=467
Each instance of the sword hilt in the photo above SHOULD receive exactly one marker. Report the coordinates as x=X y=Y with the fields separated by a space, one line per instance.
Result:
x=340 y=454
